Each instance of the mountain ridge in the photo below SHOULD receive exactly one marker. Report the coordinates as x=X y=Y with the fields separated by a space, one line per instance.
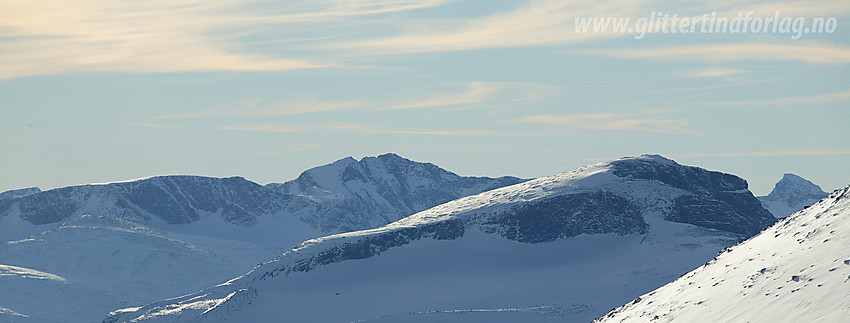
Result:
x=182 y=199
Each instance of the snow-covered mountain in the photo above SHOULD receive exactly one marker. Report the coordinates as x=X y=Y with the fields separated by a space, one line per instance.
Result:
x=170 y=199
x=798 y=270
x=92 y=248
x=90 y=265
x=19 y=192
x=565 y=247
x=343 y=196
x=791 y=194
x=356 y=195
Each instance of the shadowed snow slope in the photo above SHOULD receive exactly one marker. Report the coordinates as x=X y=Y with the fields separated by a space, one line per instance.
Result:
x=791 y=194
x=564 y=247
x=90 y=264
x=798 y=270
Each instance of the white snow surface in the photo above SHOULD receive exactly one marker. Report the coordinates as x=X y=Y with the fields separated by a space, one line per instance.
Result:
x=90 y=265
x=798 y=270
x=582 y=277
x=477 y=277
x=26 y=273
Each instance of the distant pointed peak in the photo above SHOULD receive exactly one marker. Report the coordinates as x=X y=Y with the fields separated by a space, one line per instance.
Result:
x=794 y=186
x=793 y=177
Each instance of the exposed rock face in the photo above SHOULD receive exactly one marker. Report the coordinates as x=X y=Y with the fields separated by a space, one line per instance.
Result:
x=568 y=216
x=716 y=200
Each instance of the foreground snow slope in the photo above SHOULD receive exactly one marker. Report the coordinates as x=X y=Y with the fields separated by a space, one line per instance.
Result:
x=564 y=247
x=92 y=264
x=795 y=271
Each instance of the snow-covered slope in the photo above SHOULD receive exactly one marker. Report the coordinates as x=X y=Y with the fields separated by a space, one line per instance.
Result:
x=791 y=194
x=798 y=270
x=90 y=265
x=577 y=243
x=356 y=195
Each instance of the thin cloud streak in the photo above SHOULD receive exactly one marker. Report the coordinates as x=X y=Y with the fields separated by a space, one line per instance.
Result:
x=832 y=152
x=843 y=96
x=717 y=72
x=364 y=129
x=814 y=53
x=612 y=122
x=535 y=23
x=254 y=108
x=344 y=127
x=476 y=93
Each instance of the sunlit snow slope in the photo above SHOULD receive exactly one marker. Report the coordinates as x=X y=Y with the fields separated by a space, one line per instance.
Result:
x=566 y=248
x=798 y=270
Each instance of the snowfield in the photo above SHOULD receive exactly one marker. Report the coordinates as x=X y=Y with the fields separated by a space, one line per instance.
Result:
x=90 y=265
x=795 y=271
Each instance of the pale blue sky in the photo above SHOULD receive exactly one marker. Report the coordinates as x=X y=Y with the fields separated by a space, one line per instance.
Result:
x=97 y=91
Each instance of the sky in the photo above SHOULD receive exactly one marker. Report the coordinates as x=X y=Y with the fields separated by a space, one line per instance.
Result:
x=105 y=90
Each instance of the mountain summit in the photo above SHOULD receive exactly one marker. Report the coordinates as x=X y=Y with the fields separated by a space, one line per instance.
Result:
x=791 y=194
x=357 y=195
x=582 y=241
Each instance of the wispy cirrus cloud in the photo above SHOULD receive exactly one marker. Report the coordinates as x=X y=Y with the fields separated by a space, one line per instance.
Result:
x=365 y=129
x=533 y=23
x=43 y=37
x=780 y=153
x=842 y=96
x=471 y=94
x=551 y=22
x=808 y=52
x=255 y=108
x=325 y=127
x=474 y=93
x=613 y=122
x=716 y=72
